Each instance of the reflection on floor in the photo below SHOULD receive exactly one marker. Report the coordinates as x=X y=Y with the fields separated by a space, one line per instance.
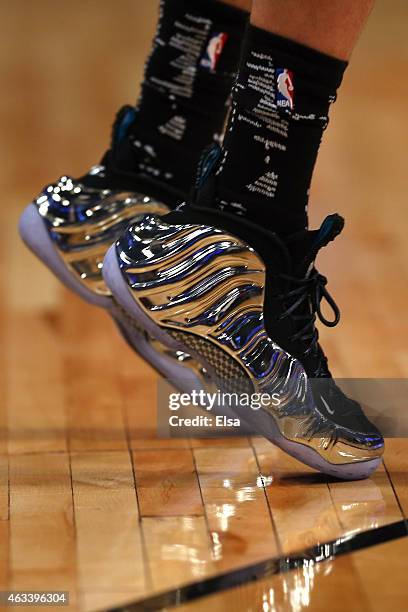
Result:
x=370 y=580
x=90 y=500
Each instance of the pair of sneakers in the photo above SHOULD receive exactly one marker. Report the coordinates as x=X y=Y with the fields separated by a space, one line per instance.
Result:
x=208 y=298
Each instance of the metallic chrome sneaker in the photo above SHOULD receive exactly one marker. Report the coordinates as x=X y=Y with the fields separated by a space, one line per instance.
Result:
x=71 y=225
x=194 y=282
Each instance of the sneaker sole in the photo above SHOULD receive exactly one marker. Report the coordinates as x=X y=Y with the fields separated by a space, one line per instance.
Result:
x=217 y=361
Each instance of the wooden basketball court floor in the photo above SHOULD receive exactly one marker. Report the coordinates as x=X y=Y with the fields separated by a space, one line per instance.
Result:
x=91 y=502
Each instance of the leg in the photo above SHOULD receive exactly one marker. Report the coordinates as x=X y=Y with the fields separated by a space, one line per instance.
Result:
x=152 y=160
x=156 y=145
x=230 y=278
x=315 y=23
x=281 y=103
x=186 y=87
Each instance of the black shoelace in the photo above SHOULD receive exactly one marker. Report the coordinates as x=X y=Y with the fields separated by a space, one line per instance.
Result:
x=311 y=289
x=309 y=292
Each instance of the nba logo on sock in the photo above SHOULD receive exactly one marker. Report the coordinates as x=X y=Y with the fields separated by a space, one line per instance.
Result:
x=214 y=49
x=285 y=89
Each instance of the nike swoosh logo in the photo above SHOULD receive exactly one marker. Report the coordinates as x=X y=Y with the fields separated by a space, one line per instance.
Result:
x=329 y=410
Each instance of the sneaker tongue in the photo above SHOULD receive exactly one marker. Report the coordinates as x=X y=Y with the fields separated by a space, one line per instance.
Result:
x=304 y=246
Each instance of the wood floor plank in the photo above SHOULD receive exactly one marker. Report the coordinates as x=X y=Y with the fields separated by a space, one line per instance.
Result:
x=35 y=390
x=139 y=385
x=154 y=443
x=4 y=554
x=225 y=442
x=3 y=372
x=365 y=504
x=4 y=488
x=32 y=416
x=3 y=416
x=167 y=483
x=314 y=587
x=109 y=545
x=236 y=508
x=92 y=601
x=40 y=292
x=299 y=499
x=95 y=408
x=396 y=462
x=382 y=573
x=178 y=550
x=42 y=536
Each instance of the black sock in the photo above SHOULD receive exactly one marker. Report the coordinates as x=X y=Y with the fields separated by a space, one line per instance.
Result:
x=186 y=89
x=279 y=110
